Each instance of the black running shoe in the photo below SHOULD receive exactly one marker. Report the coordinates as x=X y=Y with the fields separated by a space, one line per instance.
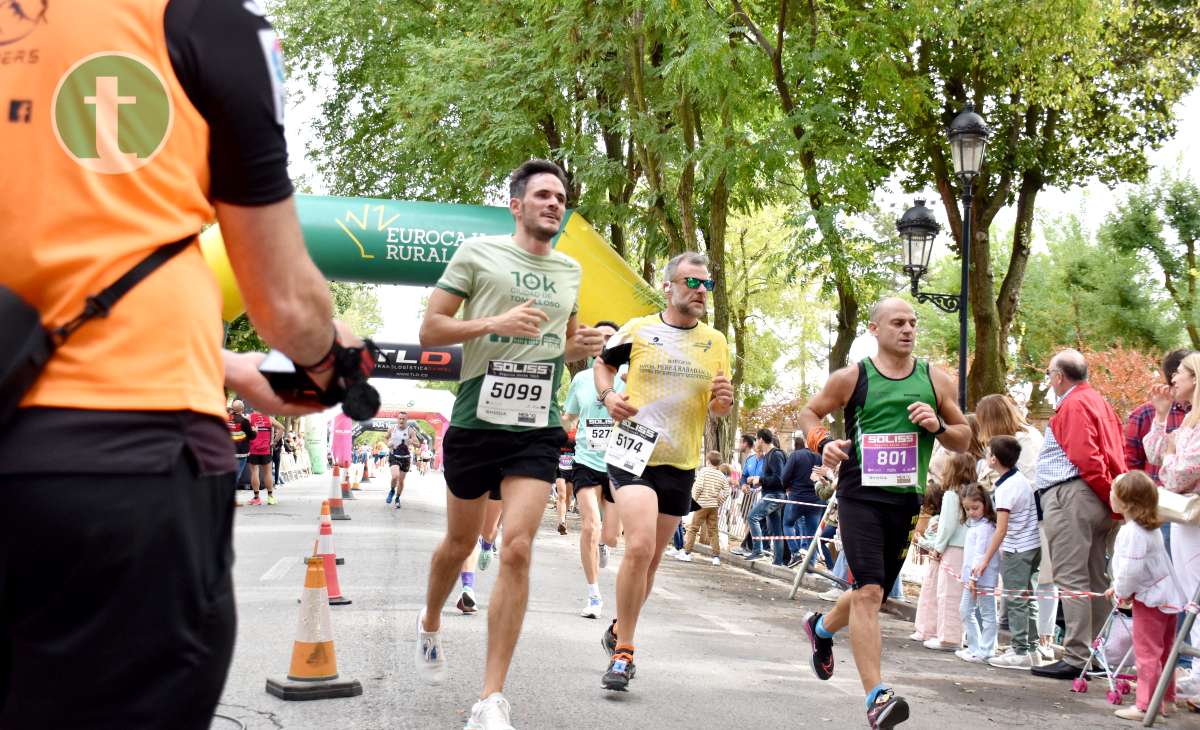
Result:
x=620 y=671
x=888 y=711
x=822 y=649
x=609 y=639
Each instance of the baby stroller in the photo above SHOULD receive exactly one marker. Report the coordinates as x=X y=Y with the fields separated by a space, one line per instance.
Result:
x=1112 y=652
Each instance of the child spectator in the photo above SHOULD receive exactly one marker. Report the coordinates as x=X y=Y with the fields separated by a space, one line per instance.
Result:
x=938 y=623
x=978 y=608
x=1020 y=547
x=1142 y=573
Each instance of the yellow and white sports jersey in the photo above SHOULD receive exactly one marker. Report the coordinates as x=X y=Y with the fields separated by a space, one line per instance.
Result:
x=670 y=382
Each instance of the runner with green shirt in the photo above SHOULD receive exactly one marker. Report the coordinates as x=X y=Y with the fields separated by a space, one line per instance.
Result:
x=592 y=426
x=895 y=407
x=518 y=299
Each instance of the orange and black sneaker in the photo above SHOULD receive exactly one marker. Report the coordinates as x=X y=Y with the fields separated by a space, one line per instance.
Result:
x=609 y=639
x=620 y=671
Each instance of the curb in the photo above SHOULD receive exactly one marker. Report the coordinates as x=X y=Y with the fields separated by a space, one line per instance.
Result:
x=899 y=609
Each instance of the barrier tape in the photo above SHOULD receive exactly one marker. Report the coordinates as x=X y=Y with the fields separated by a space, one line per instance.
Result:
x=792 y=501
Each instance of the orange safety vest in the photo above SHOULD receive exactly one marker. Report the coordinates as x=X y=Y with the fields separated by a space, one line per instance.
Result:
x=105 y=159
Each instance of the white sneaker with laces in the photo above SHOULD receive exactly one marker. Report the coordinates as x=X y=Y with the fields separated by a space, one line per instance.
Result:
x=1047 y=653
x=490 y=713
x=831 y=595
x=430 y=662
x=683 y=557
x=670 y=553
x=716 y=560
x=1011 y=660
x=967 y=656
x=603 y=560
x=593 y=608
x=937 y=645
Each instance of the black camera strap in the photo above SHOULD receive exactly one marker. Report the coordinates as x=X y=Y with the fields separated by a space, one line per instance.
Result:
x=99 y=305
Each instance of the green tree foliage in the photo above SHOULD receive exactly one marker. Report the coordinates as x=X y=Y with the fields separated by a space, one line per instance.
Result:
x=1072 y=89
x=355 y=304
x=1161 y=223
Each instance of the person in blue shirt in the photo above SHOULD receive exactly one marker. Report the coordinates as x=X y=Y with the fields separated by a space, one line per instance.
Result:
x=751 y=467
x=767 y=514
x=803 y=520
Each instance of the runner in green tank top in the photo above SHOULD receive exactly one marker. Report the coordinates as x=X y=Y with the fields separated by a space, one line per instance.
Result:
x=895 y=407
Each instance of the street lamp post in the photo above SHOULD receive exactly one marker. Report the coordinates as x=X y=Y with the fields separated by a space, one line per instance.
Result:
x=918 y=227
x=968 y=139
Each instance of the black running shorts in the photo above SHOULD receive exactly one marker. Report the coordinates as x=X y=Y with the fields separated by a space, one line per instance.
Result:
x=260 y=459
x=672 y=485
x=476 y=460
x=875 y=538
x=403 y=461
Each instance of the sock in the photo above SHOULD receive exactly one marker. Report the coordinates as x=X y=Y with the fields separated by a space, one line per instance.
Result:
x=622 y=649
x=874 y=693
x=593 y=590
x=821 y=631
x=468 y=579
x=484 y=544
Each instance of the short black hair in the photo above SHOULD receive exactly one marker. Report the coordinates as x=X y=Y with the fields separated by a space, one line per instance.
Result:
x=608 y=323
x=766 y=435
x=747 y=439
x=799 y=443
x=1170 y=363
x=1006 y=449
x=520 y=176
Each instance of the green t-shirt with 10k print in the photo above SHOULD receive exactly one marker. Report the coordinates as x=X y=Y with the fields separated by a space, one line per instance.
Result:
x=493 y=274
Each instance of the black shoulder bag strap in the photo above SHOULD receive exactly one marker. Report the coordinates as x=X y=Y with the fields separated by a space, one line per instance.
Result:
x=25 y=343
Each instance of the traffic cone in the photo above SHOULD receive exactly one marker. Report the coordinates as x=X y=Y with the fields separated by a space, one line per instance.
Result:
x=346 y=493
x=326 y=552
x=325 y=520
x=367 y=469
x=313 y=674
x=356 y=472
x=337 y=510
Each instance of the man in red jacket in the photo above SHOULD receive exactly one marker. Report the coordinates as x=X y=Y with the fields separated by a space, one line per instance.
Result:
x=1082 y=454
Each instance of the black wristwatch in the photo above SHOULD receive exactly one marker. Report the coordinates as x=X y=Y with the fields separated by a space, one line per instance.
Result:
x=941 y=427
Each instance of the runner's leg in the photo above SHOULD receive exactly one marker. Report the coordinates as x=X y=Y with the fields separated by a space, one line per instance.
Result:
x=523 y=505
x=610 y=531
x=646 y=534
x=589 y=533
x=463 y=520
x=560 y=502
x=254 y=479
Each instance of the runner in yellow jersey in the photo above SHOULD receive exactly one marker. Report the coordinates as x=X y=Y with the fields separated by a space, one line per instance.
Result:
x=676 y=378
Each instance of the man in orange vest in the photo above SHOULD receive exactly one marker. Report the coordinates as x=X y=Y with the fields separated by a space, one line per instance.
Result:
x=127 y=125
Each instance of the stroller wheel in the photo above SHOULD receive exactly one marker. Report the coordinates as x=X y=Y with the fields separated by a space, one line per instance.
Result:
x=1124 y=687
x=1079 y=684
x=1114 y=697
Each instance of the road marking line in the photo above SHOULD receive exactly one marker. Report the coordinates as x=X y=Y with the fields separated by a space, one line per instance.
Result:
x=279 y=569
x=725 y=625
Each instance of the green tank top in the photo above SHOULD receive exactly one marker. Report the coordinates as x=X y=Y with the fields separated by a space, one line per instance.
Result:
x=891 y=453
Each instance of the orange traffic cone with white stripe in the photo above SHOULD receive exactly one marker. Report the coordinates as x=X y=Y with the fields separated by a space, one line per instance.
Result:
x=346 y=493
x=337 y=510
x=356 y=472
x=313 y=674
x=325 y=520
x=327 y=554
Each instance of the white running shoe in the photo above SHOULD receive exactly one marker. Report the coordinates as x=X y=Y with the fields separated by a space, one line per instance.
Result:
x=603 y=560
x=967 y=656
x=1011 y=660
x=430 y=661
x=683 y=557
x=670 y=552
x=593 y=608
x=716 y=560
x=937 y=645
x=485 y=558
x=490 y=713
x=831 y=595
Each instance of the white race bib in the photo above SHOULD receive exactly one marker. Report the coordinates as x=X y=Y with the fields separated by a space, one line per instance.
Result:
x=630 y=447
x=597 y=432
x=889 y=459
x=516 y=393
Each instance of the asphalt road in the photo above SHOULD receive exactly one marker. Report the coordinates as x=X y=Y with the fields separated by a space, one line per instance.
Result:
x=717 y=646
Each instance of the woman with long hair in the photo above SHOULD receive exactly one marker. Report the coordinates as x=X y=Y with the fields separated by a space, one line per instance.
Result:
x=997 y=415
x=1178 y=454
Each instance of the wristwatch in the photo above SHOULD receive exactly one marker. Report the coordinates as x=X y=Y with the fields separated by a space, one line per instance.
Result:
x=941 y=427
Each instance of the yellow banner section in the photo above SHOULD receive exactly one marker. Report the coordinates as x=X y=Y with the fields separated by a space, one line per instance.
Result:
x=610 y=289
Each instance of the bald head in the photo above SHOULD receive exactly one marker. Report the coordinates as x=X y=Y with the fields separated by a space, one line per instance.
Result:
x=885 y=307
x=1072 y=364
x=238 y=406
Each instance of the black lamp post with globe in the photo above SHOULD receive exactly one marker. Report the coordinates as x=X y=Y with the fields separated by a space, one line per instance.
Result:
x=968 y=139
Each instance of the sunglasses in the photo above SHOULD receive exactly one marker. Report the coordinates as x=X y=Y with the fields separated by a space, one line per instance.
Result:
x=691 y=282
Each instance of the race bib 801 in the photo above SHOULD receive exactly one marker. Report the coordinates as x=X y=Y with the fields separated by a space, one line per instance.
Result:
x=889 y=459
